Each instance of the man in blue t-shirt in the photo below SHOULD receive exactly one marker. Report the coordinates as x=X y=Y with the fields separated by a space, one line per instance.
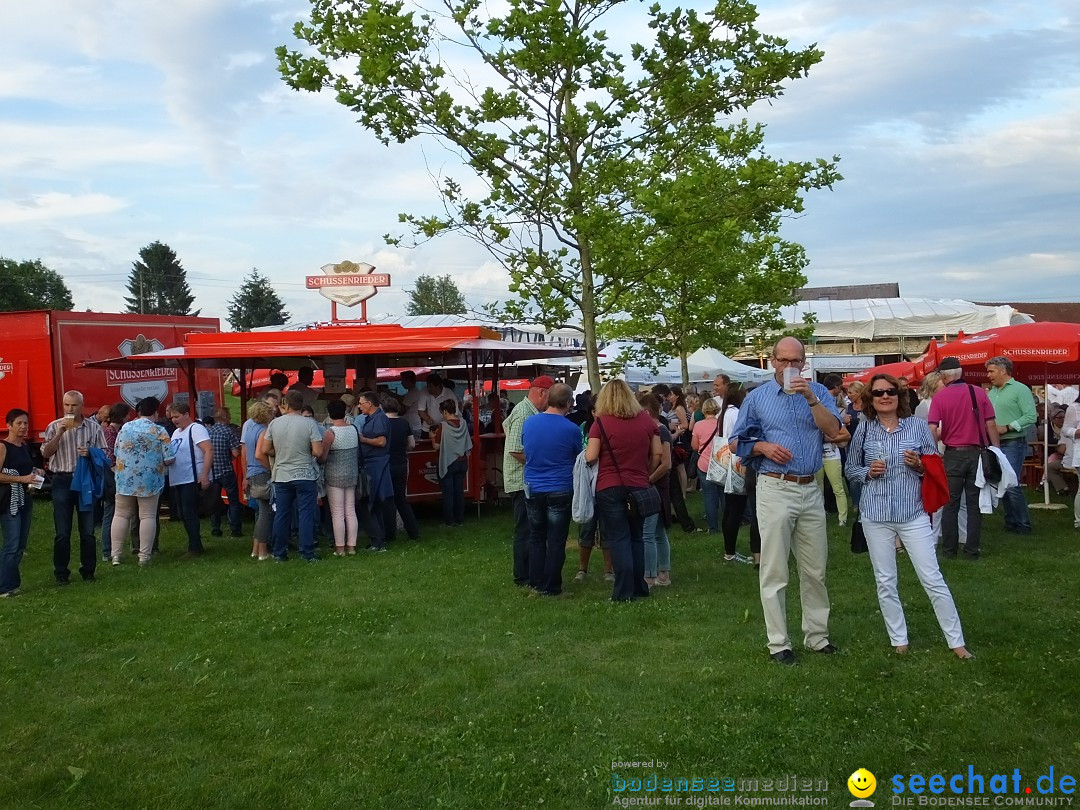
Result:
x=551 y=443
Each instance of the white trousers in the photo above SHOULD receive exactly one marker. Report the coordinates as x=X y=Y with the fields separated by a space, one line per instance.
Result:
x=791 y=518
x=918 y=540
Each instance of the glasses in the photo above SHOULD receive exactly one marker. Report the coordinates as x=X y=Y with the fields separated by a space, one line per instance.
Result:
x=884 y=392
x=783 y=361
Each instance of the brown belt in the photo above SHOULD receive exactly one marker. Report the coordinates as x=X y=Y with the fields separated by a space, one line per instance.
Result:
x=795 y=479
x=963 y=447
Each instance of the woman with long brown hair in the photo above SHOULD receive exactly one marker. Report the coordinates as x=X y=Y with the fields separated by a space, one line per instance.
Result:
x=886 y=456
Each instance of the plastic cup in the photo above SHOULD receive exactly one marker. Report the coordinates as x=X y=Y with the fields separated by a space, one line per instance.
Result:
x=790 y=375
x=39 y=481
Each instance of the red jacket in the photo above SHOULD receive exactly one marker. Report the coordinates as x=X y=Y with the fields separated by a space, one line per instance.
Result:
x=935 y=486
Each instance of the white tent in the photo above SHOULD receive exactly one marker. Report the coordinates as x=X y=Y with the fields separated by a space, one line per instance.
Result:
x=702 y=366
x=870 y=318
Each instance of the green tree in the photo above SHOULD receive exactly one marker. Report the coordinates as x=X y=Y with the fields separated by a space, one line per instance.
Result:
x=158 y=284
x=564 y=132
x=435 y=295
x=32 y=285
x=255 y=304
x=720 y=271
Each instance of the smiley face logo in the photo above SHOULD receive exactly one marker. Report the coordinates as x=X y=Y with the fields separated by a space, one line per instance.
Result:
x=862 y=783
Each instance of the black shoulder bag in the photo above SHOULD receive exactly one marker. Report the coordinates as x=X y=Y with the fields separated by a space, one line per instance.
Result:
x=858 y=537
x=991 y=466
x=644 y=501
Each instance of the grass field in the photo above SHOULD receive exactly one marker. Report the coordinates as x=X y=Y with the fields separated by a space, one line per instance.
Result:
x=423 y=678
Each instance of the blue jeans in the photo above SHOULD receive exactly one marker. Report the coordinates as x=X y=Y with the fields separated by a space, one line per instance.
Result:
x=624 y=536
x=1015 y=501
x=549 y=525
x=108 y=509
x=232 y=490
x=16 y=531
x=714 y=499
x=453 y=493
x=65 y=513
x=304 y=494
x=657 y=547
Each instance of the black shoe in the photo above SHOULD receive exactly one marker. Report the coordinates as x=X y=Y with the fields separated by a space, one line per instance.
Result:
x=215 y=532
x=88 y=578
x=62 y=582
x=237 y=533
x=828 y=649
x=785 y=657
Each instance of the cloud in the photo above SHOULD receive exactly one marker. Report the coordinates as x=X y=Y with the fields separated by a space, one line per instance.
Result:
x=46 y=207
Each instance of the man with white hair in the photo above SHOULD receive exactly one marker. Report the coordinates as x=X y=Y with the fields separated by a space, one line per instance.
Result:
x=66 y=439
x=962 y=418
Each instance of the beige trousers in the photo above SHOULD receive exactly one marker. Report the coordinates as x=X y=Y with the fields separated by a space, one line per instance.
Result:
x=791 y=519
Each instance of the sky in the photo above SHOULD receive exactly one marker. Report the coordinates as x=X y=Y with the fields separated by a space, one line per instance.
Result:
x=123 y=122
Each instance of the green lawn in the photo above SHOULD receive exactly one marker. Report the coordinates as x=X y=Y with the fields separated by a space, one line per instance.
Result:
x=423 y=678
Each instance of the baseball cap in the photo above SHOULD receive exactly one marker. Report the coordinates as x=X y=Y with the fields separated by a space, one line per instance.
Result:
x=543 y=381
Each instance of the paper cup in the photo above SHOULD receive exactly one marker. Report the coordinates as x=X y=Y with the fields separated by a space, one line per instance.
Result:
x=790 y=375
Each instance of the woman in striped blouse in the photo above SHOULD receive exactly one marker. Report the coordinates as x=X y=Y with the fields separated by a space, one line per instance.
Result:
x=886 y=457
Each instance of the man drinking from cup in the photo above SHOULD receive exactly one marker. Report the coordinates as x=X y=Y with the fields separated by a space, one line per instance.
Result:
x=780 y=431
x=66 y=439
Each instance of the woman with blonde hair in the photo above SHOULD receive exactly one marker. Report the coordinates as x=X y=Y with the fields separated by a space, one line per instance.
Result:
x=257 y=475
x=624 y=441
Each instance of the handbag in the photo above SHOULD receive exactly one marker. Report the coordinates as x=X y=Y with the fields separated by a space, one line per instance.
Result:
x=258 y=487
x=725 y=468
x=644 y=501
x=991 y=467
x=858 y=538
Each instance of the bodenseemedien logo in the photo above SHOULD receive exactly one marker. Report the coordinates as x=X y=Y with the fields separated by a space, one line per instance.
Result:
x=862 y=785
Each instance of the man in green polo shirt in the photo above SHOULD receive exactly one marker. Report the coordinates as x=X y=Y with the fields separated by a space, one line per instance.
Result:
x=1014 y=408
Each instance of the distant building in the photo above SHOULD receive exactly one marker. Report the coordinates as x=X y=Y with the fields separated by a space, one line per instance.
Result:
x=1059 y=312
x=848 y=292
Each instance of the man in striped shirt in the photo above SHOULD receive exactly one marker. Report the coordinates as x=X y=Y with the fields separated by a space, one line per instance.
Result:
x=780 y=431
x=66 y=439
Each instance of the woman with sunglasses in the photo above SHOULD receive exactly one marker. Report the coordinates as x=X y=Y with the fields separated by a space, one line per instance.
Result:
x=885 y=455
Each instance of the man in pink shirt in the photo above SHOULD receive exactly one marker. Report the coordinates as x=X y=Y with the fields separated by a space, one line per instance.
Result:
x=965 y=426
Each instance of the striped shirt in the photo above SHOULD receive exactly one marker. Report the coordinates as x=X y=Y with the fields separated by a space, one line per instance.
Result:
x=770 y=415
x=896 y=496
x=88 y=434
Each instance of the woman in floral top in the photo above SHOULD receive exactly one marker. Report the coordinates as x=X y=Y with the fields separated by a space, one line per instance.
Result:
x=142 y=452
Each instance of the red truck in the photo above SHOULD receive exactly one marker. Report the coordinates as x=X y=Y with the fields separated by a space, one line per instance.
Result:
x=40 y=350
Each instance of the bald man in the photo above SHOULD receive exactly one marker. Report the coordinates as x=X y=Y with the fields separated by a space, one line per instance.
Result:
x=780 y=432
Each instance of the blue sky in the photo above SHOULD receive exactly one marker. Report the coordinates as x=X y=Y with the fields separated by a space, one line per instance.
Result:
x=128 y=121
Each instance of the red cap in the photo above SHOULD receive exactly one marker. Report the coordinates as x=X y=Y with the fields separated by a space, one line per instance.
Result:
x=543 y=381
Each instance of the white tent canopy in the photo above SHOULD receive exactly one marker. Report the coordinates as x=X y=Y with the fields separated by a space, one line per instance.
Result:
x=702 y=366
x=870 y=318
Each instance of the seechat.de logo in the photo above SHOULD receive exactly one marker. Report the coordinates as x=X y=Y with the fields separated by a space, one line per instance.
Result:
x=862 y=785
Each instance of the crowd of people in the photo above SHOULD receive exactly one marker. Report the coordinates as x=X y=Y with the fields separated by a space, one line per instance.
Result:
x=620 y=465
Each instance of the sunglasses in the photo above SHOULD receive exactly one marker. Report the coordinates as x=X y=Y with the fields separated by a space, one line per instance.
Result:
x=884 y=392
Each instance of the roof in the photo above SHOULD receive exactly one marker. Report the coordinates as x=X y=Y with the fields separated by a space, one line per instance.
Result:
x=1060 y=311
x=394 y=345
x=870 y=318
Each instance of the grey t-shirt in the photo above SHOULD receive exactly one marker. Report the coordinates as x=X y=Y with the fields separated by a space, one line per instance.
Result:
x=292 y=435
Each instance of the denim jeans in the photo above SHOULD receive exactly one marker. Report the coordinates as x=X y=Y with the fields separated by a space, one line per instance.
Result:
x=453 y=493
x=714 y=499
x=185 y=502
x=304 y=494
x=65 y=513
x=657 y=547
x=549 y=525
x=624 y=537
x=521 y=538
x=108 y=511
x=1015 y=501
x=15 y=530
x=232 y=490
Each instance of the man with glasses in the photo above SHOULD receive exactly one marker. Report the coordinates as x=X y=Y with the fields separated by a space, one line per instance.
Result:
x=780 y=432
x=962 y=418
x=1014 y=414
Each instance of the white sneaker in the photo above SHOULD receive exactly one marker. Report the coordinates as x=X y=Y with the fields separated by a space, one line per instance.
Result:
x=580 y=576
x=116 y=560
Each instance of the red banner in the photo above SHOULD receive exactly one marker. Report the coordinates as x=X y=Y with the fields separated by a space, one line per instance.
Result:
x=348 y=280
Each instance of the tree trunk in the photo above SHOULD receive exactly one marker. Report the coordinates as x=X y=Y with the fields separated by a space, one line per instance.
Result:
x=588 y=317
x=685 y=370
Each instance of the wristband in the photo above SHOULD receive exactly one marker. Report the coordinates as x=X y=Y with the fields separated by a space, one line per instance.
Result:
x=815 y=402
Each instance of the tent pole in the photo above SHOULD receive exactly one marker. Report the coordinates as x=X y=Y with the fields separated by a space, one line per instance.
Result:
x=1046 y=445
